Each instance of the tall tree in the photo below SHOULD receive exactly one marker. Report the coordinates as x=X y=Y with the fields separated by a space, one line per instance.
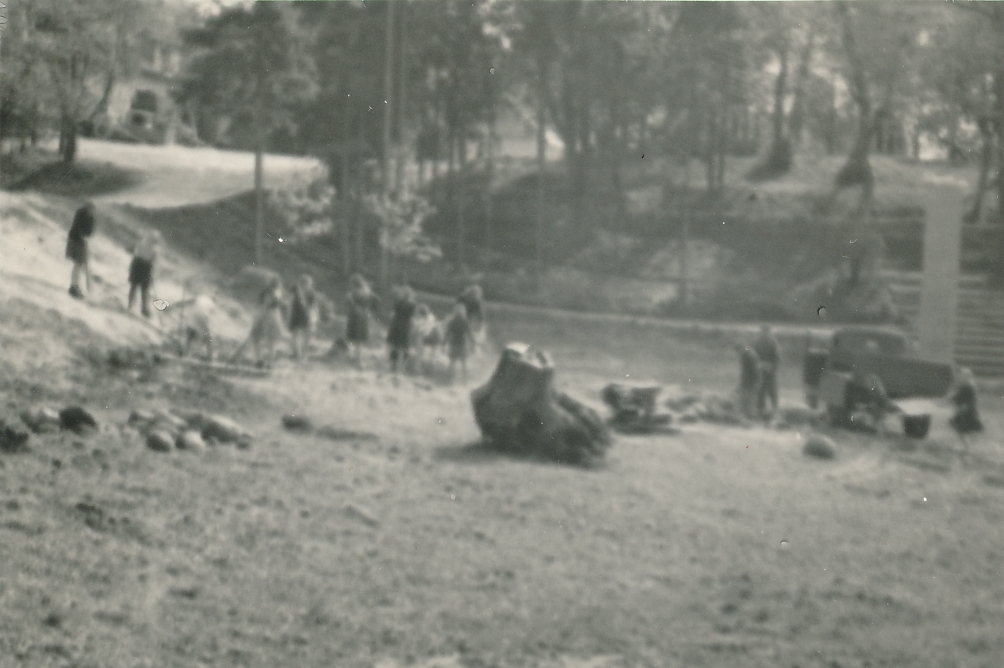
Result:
x=251 y=66
x=878 y=43
x=68 y=55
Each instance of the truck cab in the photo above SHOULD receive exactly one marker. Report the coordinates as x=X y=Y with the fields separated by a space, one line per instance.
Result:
x=833 y=373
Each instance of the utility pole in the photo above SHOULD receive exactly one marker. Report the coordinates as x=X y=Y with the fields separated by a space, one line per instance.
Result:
x=388 y=90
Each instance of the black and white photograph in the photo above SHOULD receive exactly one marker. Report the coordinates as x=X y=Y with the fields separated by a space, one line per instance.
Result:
x=501 y=334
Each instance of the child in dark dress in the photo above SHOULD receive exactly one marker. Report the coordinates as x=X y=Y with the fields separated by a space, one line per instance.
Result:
x=749 y=379
x=966 y=419
x=459 y=339
x=76 y=248
x=303 y=315
x=141 y=271
x=359 y=303
x=399 y=331
x=473 y=300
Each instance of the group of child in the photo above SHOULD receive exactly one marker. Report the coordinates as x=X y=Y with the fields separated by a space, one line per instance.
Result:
x=412 y=330
x=413 y=327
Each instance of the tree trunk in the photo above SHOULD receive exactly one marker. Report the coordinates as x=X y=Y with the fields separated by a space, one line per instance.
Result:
x=710 y=149
x=345 y=190
x=857 y=170
x=541 y=164
x=461 y=224
x=986 y=159
x=69 y=149
x=999 y=127
x=259 y=208
x=490 y=169
x=399 y=165
x=358 y=203
x=780 y=92
x=519 y=412
x=388 y=94
x=797 y=119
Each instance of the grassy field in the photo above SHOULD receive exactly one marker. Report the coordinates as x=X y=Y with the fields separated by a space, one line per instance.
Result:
x=411 y=546
x=714 y=547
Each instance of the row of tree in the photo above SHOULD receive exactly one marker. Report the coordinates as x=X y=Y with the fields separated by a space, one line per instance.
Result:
x=367 y=86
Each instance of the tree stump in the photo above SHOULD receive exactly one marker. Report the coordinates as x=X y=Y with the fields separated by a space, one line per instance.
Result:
x=519 y=412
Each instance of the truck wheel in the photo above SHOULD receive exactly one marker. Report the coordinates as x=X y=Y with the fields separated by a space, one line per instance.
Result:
x=839 y=416
x=916 y=426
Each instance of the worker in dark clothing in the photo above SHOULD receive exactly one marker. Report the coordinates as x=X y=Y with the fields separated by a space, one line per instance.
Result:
x=473 y=300
x=749 y=379
x=459 y=339
x=966 y=419
x=399 y=331
x=76 y=248
x=769 y=354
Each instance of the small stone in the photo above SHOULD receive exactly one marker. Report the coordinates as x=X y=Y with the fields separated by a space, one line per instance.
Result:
x=13 y=440
x=820 y=446
x=297 y=422
x=362 y=515
x=140 y=419
x=337 y=434
x=222 y=429
x=176 y=423
x=160 y=441
x=191 y=441
x=77 y=419
x=42 y=421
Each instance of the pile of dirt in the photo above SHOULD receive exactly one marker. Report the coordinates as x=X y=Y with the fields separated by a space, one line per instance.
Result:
x=705 y=407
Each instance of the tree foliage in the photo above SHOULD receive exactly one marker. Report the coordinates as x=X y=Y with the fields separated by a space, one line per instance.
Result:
x=401 y=217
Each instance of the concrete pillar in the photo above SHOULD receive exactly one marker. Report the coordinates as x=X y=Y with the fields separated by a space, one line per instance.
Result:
x=939 y=299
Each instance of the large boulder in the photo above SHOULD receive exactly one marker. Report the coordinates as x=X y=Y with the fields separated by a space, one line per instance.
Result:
x=294 y=422
x=520 y=412
x=191 y=441
x=820 y=447
x=222 y=430
x=77 y=419
x=159 y=440
x=13 y=440
x=42 y=421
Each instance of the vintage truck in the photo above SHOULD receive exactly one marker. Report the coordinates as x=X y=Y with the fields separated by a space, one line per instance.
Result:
x=866 y=373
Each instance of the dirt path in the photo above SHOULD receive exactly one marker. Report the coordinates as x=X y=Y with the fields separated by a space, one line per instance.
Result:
x=176 y=175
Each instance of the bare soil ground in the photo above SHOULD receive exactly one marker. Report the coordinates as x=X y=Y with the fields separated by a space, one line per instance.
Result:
x=416 y=547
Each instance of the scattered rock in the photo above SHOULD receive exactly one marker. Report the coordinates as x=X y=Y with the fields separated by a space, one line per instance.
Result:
x=191 y=418
x=160 y=441
x=297 y=422
x=223 y=430
x=77 y=419
x=184 y=592
x=13 y=440
x=817 y=445
x=364 y=516
x=42 y=421
x=337 y=434
x=191 y=440
x=170 y=421
x=140 y=419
